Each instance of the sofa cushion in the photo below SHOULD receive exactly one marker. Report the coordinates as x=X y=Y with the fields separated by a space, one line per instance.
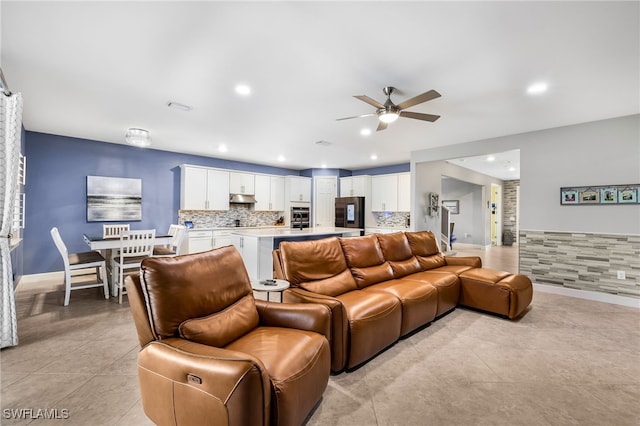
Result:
x=364 y=257
x=318 y=266
x=197 y=285
x=221 y=328
x=396 y=250
x=447 y=285
x=425 y=248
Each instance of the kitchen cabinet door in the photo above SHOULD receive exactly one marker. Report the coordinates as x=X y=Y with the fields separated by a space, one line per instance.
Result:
x=299 y=189
x=241 y=183
x=360 y=186
x=384 y=193
x=248 y=248
x=404 y=192
x=269 y=193
x=193 y=188
x=204 y=189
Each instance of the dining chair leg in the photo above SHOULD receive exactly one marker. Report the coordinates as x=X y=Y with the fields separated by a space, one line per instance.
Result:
x=105 y=282
x=67 y=287
x=120 y=281
x=114 y=282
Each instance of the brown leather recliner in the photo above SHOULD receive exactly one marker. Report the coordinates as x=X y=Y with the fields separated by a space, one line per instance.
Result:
x=212 y=354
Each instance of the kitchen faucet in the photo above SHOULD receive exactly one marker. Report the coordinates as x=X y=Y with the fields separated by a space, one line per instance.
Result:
x=299 y=216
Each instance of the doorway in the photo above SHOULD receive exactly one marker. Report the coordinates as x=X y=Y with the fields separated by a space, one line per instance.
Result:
x=496 y=214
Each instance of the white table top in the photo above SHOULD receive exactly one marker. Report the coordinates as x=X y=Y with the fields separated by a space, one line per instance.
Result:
x=97 y=242
x=280 y=285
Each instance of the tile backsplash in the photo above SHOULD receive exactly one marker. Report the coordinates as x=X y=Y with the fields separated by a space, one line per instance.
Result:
x=391 y=219
x=227 y=218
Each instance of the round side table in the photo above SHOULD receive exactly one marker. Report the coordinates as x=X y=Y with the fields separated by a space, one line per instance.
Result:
x=278 y=287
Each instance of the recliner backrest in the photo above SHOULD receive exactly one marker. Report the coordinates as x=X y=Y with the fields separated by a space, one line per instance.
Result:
x=318 y=266
x=424 y=247
x=396 y=250
x=205 y=297
x=366 y=261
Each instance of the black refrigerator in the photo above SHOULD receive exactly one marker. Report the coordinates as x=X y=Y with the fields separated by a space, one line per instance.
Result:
x=350 y=212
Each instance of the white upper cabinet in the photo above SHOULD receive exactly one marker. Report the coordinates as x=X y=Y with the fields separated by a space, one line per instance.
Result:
x=241 y=183
x=391 y=193
x=298 y=188
x=384 y=193
x=355 y=186
x=269 y=193
x=204 y=189
x=404 y=192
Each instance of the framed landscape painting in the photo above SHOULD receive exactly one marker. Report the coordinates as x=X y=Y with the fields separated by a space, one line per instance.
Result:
x=628 y=195
x=111 y=199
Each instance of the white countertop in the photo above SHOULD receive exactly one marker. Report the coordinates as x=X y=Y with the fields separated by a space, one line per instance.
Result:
x=290 y=232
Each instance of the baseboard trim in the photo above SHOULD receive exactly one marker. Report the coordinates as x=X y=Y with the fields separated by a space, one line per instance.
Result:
x=613 y=299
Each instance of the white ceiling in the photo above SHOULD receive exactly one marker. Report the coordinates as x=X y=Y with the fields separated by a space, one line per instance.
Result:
x=93 y=69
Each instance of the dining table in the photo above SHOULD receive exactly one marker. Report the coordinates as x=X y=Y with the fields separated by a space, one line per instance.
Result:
x=108 y=245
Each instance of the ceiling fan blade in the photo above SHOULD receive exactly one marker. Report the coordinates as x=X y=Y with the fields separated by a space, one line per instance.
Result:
x=355 y=116
x=381 y=126
x=426 y=96
x=419 y=116
x=372 y=102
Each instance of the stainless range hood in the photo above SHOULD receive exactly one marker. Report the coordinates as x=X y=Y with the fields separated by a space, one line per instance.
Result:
x=242 y=199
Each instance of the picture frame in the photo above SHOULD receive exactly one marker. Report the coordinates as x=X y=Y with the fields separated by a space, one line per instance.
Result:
x=589 y=196
x=452 y=205
x=608 y=195
x=113 y=199
x=628 y=195
x=569 y=196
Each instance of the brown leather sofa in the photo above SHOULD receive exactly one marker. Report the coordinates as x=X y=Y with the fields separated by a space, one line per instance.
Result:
x=382 y=287
x=212 y=354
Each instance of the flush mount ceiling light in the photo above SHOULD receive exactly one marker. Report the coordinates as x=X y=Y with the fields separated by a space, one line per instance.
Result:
x=365 y=132
x=223 y=148
x=491 y=158
x=374 y=157
x=138 y=137
x=281 y=158
x=537 y=88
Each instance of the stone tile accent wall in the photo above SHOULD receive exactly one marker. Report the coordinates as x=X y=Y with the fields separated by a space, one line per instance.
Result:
x=391 y=219
x=226 y=218
x=509 y=206
x=582 y=261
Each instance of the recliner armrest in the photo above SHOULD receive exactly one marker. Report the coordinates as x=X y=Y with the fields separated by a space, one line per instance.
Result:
x=184 y=380
x=339 y=338
x=473 y=261
x=302 y=316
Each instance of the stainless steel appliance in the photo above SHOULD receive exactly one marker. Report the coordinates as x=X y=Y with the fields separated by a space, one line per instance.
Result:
x=299 y=217
x=350 y=212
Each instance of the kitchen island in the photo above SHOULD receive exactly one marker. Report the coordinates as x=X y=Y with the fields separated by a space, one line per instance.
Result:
x=256 y=245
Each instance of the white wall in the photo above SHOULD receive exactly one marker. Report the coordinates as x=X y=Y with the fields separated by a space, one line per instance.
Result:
x=605 y=152
x=469 y=227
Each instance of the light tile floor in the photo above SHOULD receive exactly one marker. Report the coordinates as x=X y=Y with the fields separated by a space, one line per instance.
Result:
x=567 y=361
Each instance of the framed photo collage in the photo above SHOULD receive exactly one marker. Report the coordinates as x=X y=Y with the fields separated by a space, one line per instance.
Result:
x=609 y=194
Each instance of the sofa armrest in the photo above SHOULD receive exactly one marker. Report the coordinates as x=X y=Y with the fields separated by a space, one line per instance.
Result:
x=303 y=316
x=473 y=261
x=339 y=338
x=191 y=382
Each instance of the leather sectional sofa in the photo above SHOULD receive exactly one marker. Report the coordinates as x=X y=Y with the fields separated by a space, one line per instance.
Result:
x=382 y=287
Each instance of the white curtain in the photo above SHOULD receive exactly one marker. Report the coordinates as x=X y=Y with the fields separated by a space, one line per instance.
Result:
x=10 y=132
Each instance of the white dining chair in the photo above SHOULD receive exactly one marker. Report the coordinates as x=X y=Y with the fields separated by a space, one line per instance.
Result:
x=114 y=231
x=135 y=246
x=175 y=246
x=77 y=261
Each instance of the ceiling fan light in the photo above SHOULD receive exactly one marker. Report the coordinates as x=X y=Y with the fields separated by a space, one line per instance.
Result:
x=388 y=117
x=138 y=137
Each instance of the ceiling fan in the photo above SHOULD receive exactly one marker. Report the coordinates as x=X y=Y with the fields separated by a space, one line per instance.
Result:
x=389 y=112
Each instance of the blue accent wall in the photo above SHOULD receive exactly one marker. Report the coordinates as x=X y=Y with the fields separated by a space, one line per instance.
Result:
x=57 y=170
x=394 y=168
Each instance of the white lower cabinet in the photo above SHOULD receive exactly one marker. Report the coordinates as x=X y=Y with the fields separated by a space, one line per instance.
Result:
x=200 y=241
x=248 y=248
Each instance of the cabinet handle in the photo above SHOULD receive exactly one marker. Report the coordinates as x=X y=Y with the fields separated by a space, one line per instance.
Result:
x=241 y=188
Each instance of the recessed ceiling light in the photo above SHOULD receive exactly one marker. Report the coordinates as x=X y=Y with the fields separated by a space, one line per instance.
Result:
x=537 y=88
x=178 y=105
x=281 y=158
x=491 y=158
x=512 y=169
x=243 y=89
x=323 y=165
x=223 y=148
x=374 y=157
x=365 y=132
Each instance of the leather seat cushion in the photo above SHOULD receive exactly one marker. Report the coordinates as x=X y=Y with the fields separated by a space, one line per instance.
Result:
x=419 y=301
x=375 y=319
x=484 y=274
x=454 y=269
x=396 y=250
x=447 y=285
x=297 y=363
x=364 y=257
